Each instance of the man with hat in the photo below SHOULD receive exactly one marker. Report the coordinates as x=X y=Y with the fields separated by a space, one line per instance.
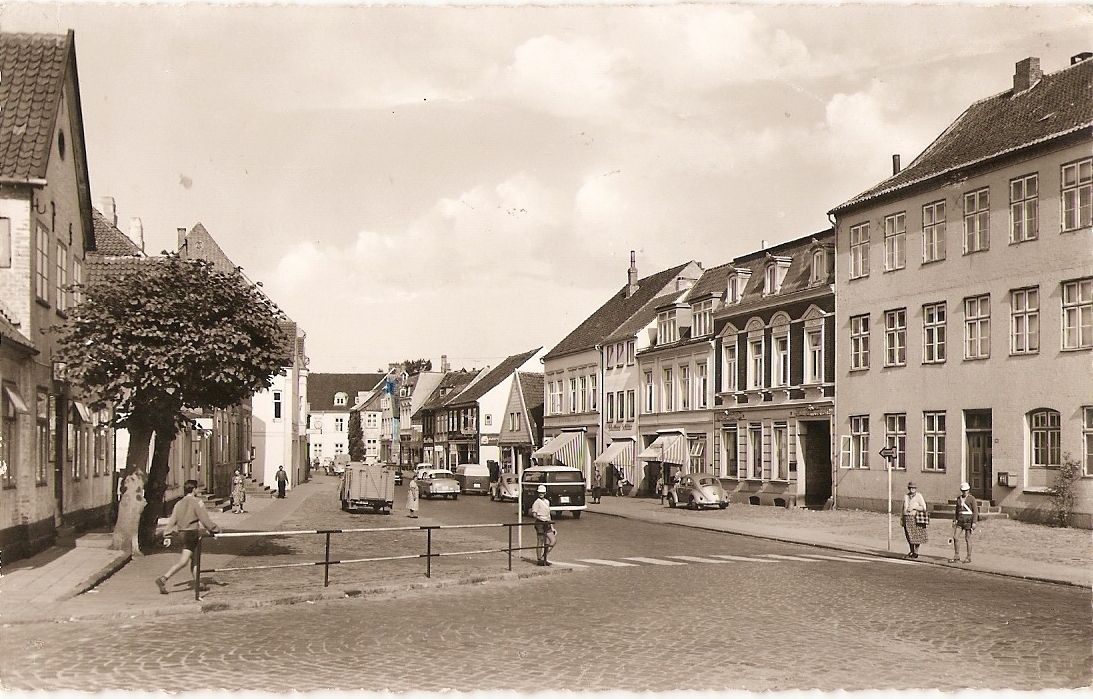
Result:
x=964 y=519
x=540 y=511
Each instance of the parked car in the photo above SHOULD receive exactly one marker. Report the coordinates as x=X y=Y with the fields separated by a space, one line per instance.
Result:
x=437 y=481
x=339 y=463
x=565 y=488
x=506 y=487
x=473 y=478
x=398 y=476
x=698 y=491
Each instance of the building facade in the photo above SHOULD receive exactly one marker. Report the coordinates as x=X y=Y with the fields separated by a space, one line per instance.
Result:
x=522 y=422
x=964 y=304
x=330 y=398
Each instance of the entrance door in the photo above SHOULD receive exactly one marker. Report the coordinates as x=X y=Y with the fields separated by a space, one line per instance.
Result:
x=979 y=438
x=816 y=451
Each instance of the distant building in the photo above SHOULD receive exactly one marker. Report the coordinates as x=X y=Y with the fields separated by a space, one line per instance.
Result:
x=331 y=397
x=522 y=421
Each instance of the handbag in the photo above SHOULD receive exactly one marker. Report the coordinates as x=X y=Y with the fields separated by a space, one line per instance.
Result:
x=922 y=518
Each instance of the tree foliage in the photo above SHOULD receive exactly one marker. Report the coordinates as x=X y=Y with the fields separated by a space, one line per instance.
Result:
x=164 y=335
x=416 y=366
x=356 y=437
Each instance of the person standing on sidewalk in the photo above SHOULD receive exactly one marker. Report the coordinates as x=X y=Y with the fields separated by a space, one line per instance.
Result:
x=412 y=492
x=597 y=484
x=239 y=492
x=964 y=519
x=282 y=481
x=187 y=517
x=915 y=520
x=540 y=511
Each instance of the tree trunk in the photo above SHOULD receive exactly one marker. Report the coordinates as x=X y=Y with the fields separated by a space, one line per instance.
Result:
x=132 y=501
x=156 y=487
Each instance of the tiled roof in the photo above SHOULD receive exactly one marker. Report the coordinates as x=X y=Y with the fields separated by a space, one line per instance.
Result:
x=101 y=268
x=613 y=314
x=449 y=387
x=531 y=386
x=322 y=387
x=493 y=377
x=1060 y=104
x=32 y=70
x=642 y=317
x=798 y=276
x=712 y=281
x=111 y=241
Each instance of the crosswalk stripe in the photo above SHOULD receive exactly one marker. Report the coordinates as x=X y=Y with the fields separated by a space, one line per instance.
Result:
x=567 y=564
x=697 y=559
x=788 y=558
x=602 y=562
x=653 y=561
x=842 y=559
x=742 y=558
x=881 y=559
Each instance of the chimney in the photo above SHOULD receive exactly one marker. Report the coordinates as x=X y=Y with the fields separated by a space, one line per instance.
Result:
x=762 y=245
x=136 y=232
x=444 y=366
x=1026 y=74
x=895 y=163
x=181 y=240
x=109 y=211
x=632 y=276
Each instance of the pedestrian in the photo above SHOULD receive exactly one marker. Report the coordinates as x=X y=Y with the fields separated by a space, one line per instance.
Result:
x=597 y=484
x=964 y=519
x=545 y=536
x=188 y=515
x=239 y=492
x=620 y=480
x=916 y=518
x=412 y=492
x=282 y=481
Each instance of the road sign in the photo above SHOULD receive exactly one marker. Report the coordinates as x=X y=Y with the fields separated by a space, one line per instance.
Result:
x=888 y=452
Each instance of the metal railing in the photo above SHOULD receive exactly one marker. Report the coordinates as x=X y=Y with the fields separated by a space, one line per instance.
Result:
x=428 y=555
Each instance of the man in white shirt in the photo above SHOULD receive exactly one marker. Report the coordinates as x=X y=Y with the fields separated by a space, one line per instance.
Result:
x=540 y=511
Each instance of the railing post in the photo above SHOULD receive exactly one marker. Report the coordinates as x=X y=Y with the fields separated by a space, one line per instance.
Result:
x=197 y=568
x=326 y=563
x=428 y=553
x=509 y=526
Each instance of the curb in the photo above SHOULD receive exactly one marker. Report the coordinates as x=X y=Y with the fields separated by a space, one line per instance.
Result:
x=94 y=579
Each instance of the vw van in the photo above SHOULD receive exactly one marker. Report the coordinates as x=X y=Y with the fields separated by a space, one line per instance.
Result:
x=565 y=488
x=473 y=478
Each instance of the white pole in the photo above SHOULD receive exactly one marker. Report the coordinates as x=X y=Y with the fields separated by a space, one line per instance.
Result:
x=520 y=504
x=889 y=463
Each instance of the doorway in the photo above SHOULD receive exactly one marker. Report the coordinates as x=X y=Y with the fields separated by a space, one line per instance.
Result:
x=979 y=436
x=815 y=436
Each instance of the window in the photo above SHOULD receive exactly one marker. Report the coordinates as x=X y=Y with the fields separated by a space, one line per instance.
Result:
x=618 y=354
x=276 y=405
x=895 y=436
x=609 y=407
x=45 y=454
x=702 y=313
x=340 y=398
x=933 y=441
x=895 y=337
x=5 y=242
x=755 y=363
x=573 y=395
x=650 y=392
x=859 y=342
x=1046 y=439
x=1025 y=321
x=775 y=274
x=977 y=219
x=666 y=327
x=41 y=264
x=859 y=441
x=814 y=360
x=610 y=360
x=977 y=327
x=592 y=393
x=584 y=394
x=780 y=451
x=818 y=273
x=728 y=353
x=620 y=403
x=755 y=451
x=702 y=385
x=729 y=453
x=781 y=361
x=859 y=250
x=631 y=404
x=669 y=390
x=8 y=452
x=514 y=421
x=1087 y=439
x=895 y=241
x=1078 y=314
x=933 y=232
x=1077 y=194
x=339 y=424
x=372 y=420
x=630 y=353
x=1024 y=208
x=684 y=388
x=933 y=333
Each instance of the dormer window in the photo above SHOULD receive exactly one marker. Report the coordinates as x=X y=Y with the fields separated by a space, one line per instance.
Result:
x=819 y=267
x=775 y=273
x=666 y=327
x=341 y=398
x=702 y=318
x=738 y=280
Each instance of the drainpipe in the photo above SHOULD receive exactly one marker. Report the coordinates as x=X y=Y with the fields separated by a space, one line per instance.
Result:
x=602 y=371
x=836 y=440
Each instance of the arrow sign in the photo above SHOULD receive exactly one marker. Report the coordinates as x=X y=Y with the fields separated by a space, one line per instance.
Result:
x=888 y=452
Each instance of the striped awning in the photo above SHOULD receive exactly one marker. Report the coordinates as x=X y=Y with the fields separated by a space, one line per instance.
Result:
x=668 y=448
x=620 y=453
x=567 y=447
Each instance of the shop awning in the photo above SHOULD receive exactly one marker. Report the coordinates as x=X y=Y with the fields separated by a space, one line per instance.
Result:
x=84 y=413
x=620 y=453
x=16 y=399
x=566 y=447
x=668 y=448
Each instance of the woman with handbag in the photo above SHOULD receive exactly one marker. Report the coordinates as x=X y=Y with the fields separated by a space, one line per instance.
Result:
x=916 y=519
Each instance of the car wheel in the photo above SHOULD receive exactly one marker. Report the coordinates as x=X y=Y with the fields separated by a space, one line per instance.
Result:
x=723 y=505
x=576 y=514
x=693 y=504
x=671 y=501
x=455 y=496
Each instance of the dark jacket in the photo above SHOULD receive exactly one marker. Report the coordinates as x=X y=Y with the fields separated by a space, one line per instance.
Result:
x=967 y=510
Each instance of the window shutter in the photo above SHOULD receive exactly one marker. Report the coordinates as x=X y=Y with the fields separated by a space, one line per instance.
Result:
x=844 y=451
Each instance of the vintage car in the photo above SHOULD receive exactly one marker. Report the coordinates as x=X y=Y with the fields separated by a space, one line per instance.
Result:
x=565 y=488
x=697 y=491
x=473 y=478
x=506 y=487
x=432 y=482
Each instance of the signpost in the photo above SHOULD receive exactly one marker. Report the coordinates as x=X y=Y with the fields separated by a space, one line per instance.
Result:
x=889 y=455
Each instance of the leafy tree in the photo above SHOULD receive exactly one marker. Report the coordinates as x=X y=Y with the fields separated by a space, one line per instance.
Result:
x=166 y=335
x=416 y=366
x=356 y=436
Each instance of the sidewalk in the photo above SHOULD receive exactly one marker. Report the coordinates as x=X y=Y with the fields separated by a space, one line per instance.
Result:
x=93 y=582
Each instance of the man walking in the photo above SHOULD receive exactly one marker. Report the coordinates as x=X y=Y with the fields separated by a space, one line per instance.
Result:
x=282 y=481
x=540 y=511
x=967 y=514
x=186 y=518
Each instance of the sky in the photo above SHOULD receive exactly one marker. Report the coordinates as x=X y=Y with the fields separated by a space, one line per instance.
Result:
x=416 y=181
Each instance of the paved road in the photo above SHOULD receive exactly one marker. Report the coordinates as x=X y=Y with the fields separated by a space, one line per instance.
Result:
x=647 y=605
